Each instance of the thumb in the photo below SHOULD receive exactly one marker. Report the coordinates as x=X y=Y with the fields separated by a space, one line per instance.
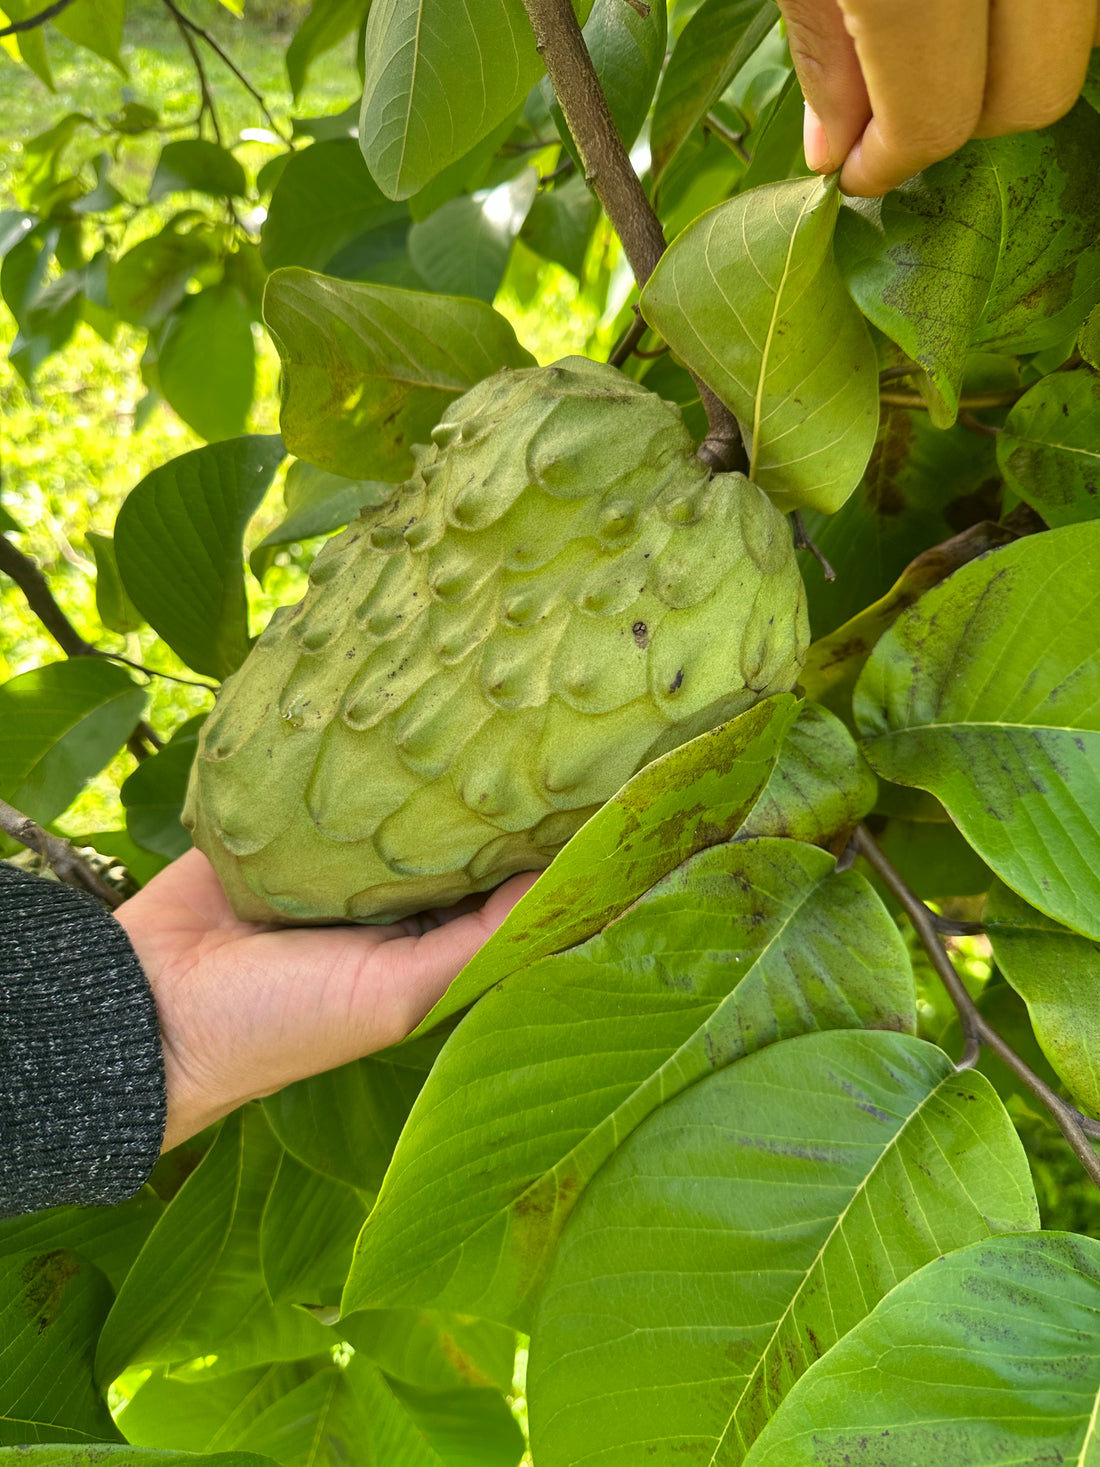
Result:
x=824 y=56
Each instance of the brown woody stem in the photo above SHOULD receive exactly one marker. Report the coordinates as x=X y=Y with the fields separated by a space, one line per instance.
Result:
x=32 y=22
x=1074 y=1126
x=63 y=860
x=611 y=177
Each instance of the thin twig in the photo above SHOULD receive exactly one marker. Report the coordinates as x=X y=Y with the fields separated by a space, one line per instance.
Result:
x=629 y=340
x=891 y=374
x=1005 y=398
x=1074 y=1126
x=564 y=168
x=804 y=541
x=32 y=22
x=986 y=430
x=228 y=61
x=63 y=860
x=206 y=96
x=732 y=139
x=611 y=177
x=187 y=682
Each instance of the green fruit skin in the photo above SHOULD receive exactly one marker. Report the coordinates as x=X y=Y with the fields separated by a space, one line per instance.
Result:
x=559 y=594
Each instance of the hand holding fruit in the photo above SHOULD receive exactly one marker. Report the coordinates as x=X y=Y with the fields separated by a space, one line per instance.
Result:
x=246 y=1009
x=891 y=89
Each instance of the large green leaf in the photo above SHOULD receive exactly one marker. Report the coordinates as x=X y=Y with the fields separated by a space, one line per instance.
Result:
x=743 y=945
x=52 y=1305
x=560 y=222
x=819 y=788
x=206 y=362
x=115 y=609
x=317 y=1414
x=750 y=298
x=462 y=249
x=438 y=80
x=345 y=1122
x=93 y=1456
x=95 y=25
x=775 y=1203
x=323 y=200
x=984 y=694
x=309 y=1227
x=195 y=1288
x=998 y=246
x=108 y=1237
x=989 y=1357
x=153 y=795
x=1057 y=974
x=691 y=798
x=716 y=42
x=432 y=1350
x=326 y=25
x=368 y=370
x=178 y=540
x=200 y=165
x=1049 y=448
x=59 y=725
x=151 y=279
x=317 y=503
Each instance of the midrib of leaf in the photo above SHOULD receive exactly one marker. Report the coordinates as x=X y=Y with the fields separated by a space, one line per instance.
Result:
x=411 y=91
x=314 y=1455
x=227 y=1430
x=765 y=354
x=837 y=1229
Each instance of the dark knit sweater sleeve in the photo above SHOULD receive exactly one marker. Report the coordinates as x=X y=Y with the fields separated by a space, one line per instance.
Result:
x=82 y=1102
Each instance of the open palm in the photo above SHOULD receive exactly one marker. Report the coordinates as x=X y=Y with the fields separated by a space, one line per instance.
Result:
x=247 y=1008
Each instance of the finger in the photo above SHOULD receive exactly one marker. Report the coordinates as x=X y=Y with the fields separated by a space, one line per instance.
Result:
x=1037 y=63
x=924 y=66
x=837 y=106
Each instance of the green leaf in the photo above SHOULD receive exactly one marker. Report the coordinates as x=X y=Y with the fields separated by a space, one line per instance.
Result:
x=30 y=44
x=108 y=1237
x=197 y=164
x=998 y=247
x=560 y=222
x=15 y=225
x=97 y=26
x=321 y=1415
x=59 y=725
x=743 y=945
x=462 y=249
x=995 y=713
x=776 y=141
x=1049 y=448
x=178 y=539
x=153 y=795
x=149 y=281
x=835 y=661
x=1088 y=343
x=326 y=25
x=345 y=1122
x=433 y=1350
x=309 y=1227
x=206 y=362
x=368 y=370
x=985 y=1358
x=317 y=503
x=194 y=1288
x=694 y=797
x=777 y=1202
x=716 y=42
x=750 y=298
x=1057 y=974
x=819 y=788
x=93 y=1456
x=627 y=48
x=438 y=80
x=116 y=611
x=53 y=1304
x=323 y=200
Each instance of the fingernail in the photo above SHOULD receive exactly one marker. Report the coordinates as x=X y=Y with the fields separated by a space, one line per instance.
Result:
x=814 y=142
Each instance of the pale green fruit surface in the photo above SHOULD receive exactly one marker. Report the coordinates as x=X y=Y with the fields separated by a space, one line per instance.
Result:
x=558 y=595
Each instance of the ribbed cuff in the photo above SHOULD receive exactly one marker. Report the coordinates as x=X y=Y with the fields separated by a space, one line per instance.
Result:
x=82 y=1099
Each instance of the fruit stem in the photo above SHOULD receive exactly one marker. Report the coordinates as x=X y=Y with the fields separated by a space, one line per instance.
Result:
x=611 y=177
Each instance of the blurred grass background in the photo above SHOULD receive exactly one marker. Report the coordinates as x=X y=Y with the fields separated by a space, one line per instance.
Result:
x=71 y=448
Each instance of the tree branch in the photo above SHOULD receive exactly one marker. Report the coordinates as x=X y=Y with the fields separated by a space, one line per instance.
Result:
x=1074 y=1126
x=61 y=857
x=898 y=397
x=32 y=22
x=610 y=176
x=185 y=21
